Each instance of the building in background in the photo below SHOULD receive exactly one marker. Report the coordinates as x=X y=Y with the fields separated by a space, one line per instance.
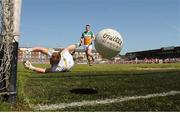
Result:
x=162 y=55
x=38 y=57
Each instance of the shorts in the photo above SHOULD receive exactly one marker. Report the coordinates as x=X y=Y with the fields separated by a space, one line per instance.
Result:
x=86 y=47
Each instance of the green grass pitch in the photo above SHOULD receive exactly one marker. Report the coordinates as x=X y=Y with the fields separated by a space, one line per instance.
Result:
x=99 y=82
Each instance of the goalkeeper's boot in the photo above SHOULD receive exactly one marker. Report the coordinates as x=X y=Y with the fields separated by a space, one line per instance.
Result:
x=78 y=45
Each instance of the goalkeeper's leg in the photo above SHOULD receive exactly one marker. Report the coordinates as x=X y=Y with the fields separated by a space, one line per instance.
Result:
x=71 y=48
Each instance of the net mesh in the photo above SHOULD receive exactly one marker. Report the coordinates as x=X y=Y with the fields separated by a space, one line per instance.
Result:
x=6 y=44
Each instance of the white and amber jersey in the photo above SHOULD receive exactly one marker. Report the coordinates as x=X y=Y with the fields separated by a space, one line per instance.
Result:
x=65 y=64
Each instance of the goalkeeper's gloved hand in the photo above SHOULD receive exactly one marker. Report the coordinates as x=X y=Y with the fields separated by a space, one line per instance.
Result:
x=28 y=65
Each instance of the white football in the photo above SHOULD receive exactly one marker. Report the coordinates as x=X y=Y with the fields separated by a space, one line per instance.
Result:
x=108 y=43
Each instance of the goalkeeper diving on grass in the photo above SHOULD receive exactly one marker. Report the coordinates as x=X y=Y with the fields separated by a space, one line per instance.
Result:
x=61 y=61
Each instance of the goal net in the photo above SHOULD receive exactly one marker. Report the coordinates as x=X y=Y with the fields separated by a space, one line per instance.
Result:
x=8 y=48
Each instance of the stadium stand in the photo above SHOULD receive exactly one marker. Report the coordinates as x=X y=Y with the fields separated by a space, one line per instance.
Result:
x=162 y=55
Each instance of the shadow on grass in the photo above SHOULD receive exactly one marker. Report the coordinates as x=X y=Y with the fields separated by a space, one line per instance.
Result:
x=88 y=91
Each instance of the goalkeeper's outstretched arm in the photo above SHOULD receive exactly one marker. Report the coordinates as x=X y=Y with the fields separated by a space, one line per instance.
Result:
x=28 y=65
x=41 y=70
x=36 y=49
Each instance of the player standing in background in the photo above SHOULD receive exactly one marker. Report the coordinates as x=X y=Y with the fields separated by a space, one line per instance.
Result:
x=87 y=37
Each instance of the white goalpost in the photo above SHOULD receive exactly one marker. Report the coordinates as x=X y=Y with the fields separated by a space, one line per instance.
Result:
x=10 y=11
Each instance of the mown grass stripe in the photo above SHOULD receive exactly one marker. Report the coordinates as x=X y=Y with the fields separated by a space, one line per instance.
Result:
x=105 y=101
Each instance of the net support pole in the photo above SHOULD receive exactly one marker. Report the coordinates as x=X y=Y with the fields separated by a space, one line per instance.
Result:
x=17 y=16
x=16 y=33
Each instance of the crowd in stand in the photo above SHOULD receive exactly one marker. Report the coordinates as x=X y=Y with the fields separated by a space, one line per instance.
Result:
x=146 y=60
x=81 y=59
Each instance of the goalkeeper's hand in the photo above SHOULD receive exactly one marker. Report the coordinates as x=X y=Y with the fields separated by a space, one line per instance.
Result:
x=28 y=65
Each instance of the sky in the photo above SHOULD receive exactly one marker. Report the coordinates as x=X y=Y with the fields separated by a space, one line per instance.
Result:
x=143 y=24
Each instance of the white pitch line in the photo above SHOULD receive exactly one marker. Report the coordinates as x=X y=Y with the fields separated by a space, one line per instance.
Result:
x=105 y=101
